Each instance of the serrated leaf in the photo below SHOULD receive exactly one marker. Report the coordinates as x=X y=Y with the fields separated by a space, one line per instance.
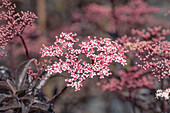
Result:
x=4 y=108
x=9 y=111
x=22 y=76
x=10 y=105
x=12 y=85
x=5 y=85
x=24 y=109
x=40 y=106
x=27 y=97
x=4 y=97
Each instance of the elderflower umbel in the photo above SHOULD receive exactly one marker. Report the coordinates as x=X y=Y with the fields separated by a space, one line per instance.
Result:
x=79 y=69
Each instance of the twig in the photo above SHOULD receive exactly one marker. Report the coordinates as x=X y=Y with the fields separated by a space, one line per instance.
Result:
x=57 y=95
x=26 y=50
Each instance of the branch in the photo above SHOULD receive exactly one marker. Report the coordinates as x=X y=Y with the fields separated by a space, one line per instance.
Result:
x=57 y=95
x=26 y=50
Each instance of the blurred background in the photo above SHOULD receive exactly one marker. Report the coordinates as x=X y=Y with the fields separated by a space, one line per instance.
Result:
x=101 y=18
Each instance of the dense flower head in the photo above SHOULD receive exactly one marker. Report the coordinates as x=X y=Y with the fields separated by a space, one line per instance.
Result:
x=163 y=93
x=65 y=40
x=151 y=49
x=101 y=52
x=109 y=50
x=150 y=34
x=157 y=33
x=132 y=78
x=155 y=56
x=14 y=23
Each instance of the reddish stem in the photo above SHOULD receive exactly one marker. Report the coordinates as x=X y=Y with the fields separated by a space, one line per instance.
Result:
x=26 y=50
x=57 y=95
x=31 y=82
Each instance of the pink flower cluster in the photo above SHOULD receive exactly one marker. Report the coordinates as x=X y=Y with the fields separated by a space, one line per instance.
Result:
x=157 y=33
x=15 y=22
x=155 y=56
x=151 y=49
x=101 y=52
x=132 y=78
x=132 y=13
x=154 y=52
x=35 y=72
